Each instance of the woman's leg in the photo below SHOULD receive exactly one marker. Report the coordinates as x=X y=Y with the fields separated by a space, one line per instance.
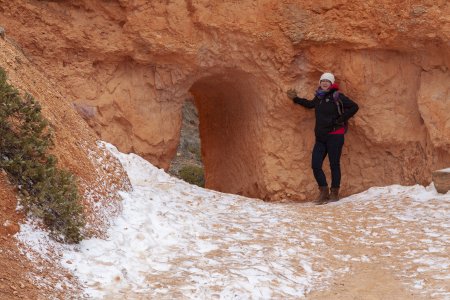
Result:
x=335 y=142
x=318 y=155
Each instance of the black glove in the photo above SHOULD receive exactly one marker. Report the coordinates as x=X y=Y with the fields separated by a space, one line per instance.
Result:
x=292 y=94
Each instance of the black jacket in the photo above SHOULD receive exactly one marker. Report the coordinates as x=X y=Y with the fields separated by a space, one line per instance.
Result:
x=327 y=115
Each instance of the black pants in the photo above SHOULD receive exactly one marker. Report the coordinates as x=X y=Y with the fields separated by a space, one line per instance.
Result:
x=332 y=145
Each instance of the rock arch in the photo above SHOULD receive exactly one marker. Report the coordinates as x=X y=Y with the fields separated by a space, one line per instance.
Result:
x=231 y=122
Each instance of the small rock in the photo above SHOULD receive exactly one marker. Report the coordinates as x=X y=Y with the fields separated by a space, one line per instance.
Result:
x=441 y=179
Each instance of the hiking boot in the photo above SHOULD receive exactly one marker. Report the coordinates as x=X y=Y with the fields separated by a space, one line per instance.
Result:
x=334 y=194
x=323 y=196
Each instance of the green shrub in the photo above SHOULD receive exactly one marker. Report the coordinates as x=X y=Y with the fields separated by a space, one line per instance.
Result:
x=192 y=174
x=45 y=191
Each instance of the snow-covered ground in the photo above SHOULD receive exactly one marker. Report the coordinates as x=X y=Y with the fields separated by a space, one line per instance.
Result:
x=178 y=241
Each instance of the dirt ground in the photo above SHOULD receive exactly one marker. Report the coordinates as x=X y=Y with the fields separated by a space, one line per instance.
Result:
x=366 y=282
x=14 y=266
x=385 y=243
x=17 y=272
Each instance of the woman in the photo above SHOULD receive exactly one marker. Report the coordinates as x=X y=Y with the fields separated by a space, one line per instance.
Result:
x=333 y=109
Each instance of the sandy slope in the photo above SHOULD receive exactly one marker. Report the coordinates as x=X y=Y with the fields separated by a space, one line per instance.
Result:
x=77 y=151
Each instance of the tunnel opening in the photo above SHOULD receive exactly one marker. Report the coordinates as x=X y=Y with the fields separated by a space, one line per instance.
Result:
x=230 y=121
x=187 y=163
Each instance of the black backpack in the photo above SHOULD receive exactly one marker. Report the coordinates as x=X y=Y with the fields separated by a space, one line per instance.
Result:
x=340 y=106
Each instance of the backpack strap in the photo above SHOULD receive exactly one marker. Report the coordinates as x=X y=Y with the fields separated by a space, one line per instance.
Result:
x=338 y=101
x=340 y=107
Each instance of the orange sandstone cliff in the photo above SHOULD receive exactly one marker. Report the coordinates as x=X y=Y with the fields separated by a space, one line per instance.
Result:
x=128 y=66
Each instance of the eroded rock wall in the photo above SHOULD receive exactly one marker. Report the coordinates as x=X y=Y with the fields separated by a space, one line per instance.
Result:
x=129 y=65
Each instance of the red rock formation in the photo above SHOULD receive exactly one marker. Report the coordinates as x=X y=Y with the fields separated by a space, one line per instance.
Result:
x=129 y=65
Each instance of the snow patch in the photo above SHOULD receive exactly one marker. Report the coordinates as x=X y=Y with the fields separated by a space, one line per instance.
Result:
x=174 y=240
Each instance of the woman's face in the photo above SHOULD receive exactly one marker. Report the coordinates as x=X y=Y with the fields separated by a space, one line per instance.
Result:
x=325 y=84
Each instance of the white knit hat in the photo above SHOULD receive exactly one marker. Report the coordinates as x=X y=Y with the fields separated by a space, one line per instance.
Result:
x=327 y=76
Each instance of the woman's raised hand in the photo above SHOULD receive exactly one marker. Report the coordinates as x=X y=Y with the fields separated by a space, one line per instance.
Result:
x=291 y=93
